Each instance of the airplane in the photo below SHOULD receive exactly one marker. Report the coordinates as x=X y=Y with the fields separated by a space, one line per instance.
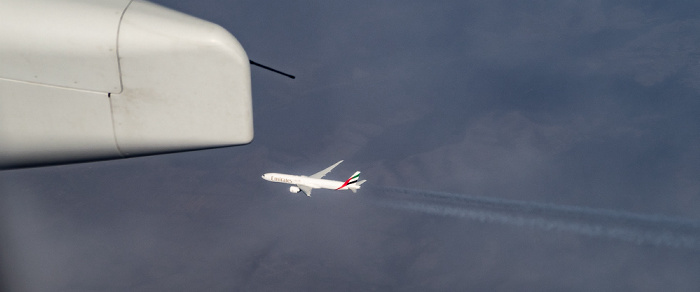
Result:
x=315 y=181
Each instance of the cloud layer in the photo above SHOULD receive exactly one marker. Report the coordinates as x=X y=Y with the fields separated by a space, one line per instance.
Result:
x=590 y=104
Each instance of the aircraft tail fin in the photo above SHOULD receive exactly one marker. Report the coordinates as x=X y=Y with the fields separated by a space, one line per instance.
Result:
x=351 y=181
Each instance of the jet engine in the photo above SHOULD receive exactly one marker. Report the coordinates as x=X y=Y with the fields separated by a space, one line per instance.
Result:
x=294 y=189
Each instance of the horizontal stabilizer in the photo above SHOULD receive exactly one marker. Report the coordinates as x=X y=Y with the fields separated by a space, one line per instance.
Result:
x=356 y=186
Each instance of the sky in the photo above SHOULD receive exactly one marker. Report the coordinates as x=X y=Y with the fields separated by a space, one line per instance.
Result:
x=543 y=145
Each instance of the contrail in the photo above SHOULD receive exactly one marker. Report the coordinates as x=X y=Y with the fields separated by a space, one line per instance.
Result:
x=631 y=227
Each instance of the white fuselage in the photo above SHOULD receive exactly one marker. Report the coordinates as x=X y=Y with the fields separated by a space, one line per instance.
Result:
x=316 y=183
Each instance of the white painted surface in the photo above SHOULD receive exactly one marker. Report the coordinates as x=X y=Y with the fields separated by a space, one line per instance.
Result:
x=44 y=124
x=177 y=82
x=186 y=84
x=66 y=43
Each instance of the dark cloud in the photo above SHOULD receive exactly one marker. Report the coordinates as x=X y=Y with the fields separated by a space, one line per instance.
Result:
x=590 y=104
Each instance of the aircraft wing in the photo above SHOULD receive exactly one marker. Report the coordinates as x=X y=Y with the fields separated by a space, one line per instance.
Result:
x=70 y=93
x=306 y=189
x=321 y=173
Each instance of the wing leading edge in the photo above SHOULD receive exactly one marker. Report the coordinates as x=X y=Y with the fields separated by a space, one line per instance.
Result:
x=322 y=173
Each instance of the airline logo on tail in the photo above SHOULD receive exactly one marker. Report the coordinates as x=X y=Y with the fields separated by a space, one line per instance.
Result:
x=307 y=183
x=353 y=179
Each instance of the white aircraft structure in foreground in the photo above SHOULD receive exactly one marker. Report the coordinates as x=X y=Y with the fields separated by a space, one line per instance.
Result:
x=315 y=181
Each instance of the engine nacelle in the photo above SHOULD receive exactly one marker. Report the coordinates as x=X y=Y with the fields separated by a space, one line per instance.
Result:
x=294 y=189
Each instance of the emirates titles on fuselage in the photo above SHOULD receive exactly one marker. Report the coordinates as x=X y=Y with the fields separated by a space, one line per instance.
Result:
x=315 y=181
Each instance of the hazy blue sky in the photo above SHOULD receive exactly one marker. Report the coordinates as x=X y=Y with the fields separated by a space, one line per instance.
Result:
x=594 y=104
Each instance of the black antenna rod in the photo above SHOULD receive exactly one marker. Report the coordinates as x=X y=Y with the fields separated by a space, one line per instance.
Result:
x=271 y=69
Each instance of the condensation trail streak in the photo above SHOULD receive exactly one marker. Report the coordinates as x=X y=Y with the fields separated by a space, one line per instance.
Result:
x=631 y=227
